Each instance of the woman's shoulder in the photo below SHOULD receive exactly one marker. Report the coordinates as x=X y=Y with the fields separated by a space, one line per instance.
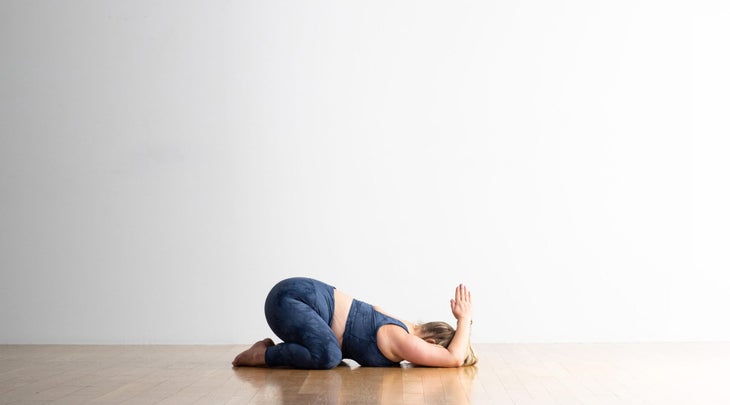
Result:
x=408 y=324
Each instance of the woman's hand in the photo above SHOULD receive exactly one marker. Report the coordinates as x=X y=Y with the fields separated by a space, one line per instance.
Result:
x=461 y=304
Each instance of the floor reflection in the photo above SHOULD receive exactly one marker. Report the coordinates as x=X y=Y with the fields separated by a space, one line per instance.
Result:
x=352 y=384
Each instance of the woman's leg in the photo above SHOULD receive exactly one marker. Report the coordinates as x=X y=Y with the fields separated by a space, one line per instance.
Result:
x=294 y=310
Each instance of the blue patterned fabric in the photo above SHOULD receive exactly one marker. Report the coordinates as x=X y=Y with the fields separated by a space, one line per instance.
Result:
x=360 y=341
x=299 y=311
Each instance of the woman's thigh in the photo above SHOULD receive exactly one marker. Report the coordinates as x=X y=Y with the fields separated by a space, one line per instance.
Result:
x=299 y=309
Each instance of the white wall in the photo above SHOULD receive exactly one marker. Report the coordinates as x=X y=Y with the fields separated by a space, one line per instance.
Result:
x=162 y=164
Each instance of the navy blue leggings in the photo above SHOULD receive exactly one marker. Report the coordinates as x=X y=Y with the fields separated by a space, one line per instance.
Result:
x=299 y=311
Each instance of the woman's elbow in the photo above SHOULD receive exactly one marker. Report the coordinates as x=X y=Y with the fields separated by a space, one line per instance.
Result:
x=454 y=362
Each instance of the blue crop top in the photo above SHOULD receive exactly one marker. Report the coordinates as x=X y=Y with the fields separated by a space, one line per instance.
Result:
x=359 y=341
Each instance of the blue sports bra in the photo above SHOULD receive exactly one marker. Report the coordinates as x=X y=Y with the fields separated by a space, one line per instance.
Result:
x=359 y=341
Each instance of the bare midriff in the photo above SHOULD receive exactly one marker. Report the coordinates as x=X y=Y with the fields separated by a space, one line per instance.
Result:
x=343 y=302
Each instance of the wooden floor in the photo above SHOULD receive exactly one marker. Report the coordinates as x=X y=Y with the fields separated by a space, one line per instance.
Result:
x=514 y=374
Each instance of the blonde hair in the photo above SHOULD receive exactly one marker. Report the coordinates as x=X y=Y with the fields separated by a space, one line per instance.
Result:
x=442 y=333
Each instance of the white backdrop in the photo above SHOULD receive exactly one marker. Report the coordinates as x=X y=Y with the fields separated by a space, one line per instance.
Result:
x=163 y=164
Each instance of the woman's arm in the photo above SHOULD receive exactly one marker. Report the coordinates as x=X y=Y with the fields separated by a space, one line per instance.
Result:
x=418 y=351
x=461 y=308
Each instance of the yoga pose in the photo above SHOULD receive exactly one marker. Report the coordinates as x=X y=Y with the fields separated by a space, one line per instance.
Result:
x=320 y=325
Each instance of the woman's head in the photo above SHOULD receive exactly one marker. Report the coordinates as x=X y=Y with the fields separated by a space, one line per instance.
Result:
x=438 y=333
x=441 y=333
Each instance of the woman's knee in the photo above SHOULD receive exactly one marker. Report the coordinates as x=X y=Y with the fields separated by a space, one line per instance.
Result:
x=329 y=359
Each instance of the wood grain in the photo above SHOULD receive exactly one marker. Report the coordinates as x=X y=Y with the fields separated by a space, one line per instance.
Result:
x=509 y=374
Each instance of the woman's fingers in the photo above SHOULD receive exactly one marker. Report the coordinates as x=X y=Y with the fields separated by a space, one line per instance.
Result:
x=462 y=293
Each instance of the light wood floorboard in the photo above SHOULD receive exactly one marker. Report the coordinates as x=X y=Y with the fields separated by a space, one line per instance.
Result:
x=507 y=374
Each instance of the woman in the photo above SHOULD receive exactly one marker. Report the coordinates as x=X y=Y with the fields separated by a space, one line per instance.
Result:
x=320 y=325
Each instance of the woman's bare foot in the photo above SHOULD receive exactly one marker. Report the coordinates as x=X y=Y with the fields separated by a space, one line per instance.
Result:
x=254 y=355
